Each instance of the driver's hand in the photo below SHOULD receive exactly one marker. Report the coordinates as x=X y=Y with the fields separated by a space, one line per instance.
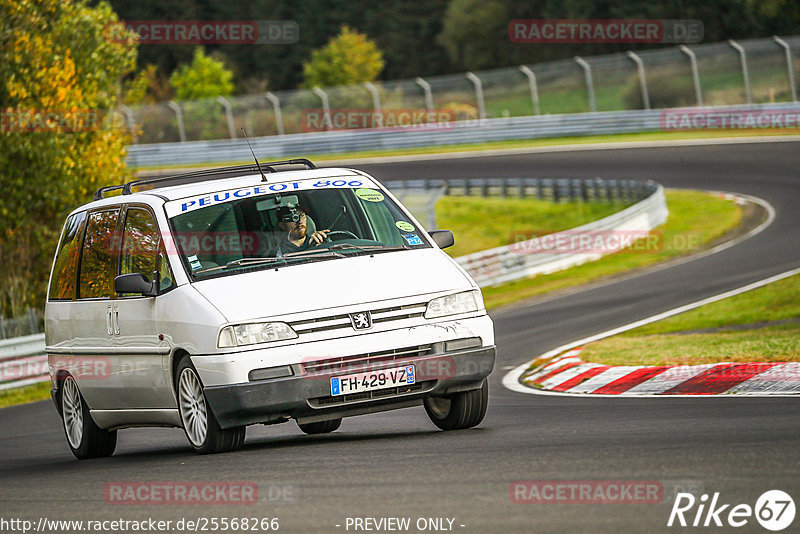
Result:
x=319 y=236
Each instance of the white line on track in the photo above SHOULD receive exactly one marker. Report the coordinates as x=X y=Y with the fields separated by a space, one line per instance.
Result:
x=511 y=379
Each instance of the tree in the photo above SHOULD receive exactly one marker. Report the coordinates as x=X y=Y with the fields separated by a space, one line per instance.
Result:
x=348 y=58
x=205 y=77
x=146 y=86
x=474 y=32
x=59 y=76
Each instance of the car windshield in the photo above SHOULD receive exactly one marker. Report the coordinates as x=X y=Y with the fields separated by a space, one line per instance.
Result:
x=253 y=228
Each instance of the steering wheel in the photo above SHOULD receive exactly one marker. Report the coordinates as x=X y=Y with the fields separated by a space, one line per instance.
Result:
x=342 y=232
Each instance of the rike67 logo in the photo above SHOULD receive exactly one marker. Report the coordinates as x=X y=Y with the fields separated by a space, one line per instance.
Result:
x=774 y=510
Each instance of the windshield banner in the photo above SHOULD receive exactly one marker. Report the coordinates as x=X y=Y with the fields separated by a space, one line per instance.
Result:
x=185 y=205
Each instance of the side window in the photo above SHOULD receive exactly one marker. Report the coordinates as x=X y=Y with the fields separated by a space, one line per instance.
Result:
x=96 y=276
x=199 y=232
x=166 y=276
x=383 y=224
x=65 y=268
x=142 y=248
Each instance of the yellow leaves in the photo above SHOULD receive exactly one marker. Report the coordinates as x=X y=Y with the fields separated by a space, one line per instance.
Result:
x=348 y=58
x=56 y=68
x=21 y=42
x=17 y=91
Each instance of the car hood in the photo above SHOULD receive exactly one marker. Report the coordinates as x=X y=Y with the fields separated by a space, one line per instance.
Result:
x=271 y=293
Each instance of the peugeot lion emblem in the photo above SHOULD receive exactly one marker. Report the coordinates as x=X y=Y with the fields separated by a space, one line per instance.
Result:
x=361 y=320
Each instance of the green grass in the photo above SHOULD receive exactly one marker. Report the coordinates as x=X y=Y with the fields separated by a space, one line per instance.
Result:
x=496 y=145
x=33 y=393
x=719 y=88
x=484 y=223
x=769 y=344
x=607 y=98
x=695 y=220
x=774 y=302
x=762 y=325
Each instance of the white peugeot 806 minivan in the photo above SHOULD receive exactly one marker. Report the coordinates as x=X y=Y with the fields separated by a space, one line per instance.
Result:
x=219 y=299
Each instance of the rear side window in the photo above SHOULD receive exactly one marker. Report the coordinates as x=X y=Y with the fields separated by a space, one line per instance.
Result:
x=65 y=268
x=97 y=260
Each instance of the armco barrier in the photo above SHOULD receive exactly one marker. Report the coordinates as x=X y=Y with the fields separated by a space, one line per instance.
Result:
x=552 y=189
x=510 y=262
x=456 y=133
x=23 y=361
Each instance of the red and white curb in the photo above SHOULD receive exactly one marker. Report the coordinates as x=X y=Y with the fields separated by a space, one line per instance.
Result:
x=562 y=372
x=567 y=373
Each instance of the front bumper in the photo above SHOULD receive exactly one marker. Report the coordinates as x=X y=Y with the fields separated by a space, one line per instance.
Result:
x=307 y=397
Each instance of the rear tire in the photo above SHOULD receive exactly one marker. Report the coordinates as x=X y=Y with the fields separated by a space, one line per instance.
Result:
x=84 y=437
x=201 y=427
x=458 y=410
x=321 y=427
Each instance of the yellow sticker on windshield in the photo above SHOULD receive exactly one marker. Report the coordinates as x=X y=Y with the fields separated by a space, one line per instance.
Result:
x=370 y=195
x=404 y=226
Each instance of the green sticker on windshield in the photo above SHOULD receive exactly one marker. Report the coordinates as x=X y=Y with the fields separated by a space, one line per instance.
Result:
x=404 y=226
x=370 y=195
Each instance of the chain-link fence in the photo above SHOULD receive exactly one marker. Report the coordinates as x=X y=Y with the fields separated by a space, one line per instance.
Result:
x=729 y=73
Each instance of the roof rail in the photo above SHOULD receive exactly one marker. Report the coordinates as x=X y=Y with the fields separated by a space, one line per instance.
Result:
x=99 y=193
x=203 y=175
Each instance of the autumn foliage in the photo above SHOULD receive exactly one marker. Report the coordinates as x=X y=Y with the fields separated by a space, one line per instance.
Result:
x=60 y=138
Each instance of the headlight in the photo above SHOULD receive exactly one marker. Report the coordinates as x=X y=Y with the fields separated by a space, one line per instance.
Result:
x=250 y=334
x=468 y=301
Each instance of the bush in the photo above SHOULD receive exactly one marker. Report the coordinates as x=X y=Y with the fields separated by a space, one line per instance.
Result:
x=666 y=90
x=348 y=58
x=204 y=77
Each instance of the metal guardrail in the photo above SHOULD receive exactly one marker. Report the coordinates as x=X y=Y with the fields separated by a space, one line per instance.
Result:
x=442 y=134
x=552 y=189
x=23 y=361
x=524 y=259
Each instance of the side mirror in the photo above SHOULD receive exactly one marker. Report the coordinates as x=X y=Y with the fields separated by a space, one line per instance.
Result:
x=443 y=238
x=135 y=283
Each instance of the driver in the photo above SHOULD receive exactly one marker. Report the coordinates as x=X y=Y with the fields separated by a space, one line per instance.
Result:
x=295 y=238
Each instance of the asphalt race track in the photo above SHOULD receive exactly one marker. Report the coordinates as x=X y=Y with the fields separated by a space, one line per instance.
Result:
x=399 y=465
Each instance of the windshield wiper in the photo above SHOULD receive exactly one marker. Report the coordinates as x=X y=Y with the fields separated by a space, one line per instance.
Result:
x=241 y=262
x=249 y=262
x=367 y=248
x=253 y=262
x=303 y=254
x=329 y=252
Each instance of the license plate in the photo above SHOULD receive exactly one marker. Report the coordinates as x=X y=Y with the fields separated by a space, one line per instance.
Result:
x=383 y=378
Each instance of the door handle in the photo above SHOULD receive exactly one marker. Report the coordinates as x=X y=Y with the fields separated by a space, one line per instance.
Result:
x=108 y=321
x=116 y=320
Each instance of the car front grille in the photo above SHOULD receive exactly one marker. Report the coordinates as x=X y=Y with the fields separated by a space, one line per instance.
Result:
x=336 y=322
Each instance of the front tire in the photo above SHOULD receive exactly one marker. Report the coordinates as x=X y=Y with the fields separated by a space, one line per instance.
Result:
x=321 y=427
x=201 y=427
x=458 y=410
x=84 y=437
